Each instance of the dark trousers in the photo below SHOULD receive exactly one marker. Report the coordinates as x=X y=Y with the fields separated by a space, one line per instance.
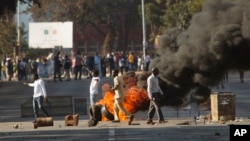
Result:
x=57 y=71
x=78 y=72
x=155 y=107
x=38 y=104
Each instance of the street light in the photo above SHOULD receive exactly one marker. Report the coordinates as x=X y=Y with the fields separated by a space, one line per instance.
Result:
x=18 y=28
x=144 y=43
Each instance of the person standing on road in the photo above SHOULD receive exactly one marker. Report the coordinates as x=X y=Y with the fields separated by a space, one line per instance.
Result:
x=154 y=92
x=39 y=95
x=67 y=65
x=98 y=63
x=94 y=87
x=78 y=65
x=119 y=96
x=9 y=66
x=57 y=66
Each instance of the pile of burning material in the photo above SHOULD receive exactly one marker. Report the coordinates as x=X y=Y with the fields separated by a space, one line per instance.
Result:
x=135 y=99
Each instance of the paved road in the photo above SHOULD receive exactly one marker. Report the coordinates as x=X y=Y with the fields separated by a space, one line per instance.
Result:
x=183 y=127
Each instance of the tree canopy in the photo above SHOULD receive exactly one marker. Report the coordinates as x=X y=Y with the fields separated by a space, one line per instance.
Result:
x=7 y=38
x=11 y=5
x=164 y=14
x=8 y=34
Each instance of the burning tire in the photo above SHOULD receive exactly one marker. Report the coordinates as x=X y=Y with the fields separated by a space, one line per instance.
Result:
x=95 y=115
x=106 y=113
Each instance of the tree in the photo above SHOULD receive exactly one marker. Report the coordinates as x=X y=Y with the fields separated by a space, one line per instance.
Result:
x=108 y=44
x=11 y=5
x=7 y=38
x=8 y=33
x=154 y=11
x=164 y=14
x=179 y=13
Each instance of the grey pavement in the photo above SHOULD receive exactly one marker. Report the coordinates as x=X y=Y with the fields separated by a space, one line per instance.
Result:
x=180 y=126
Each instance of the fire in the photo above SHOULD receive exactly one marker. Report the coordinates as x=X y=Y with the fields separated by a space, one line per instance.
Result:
x=108 y=101
x=135 y=98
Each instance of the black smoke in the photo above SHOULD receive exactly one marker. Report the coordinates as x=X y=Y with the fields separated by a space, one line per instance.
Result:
x=217 y=41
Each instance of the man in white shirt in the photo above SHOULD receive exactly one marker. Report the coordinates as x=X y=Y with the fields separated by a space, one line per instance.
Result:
x=93 y=89
x=39 y=95
x=154 y=92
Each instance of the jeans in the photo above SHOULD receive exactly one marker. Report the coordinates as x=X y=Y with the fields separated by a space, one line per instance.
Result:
x=38 y=103
x=93 y=98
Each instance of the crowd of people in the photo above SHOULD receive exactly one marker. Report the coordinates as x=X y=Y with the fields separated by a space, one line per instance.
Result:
x=70 y=66
x=22 y=69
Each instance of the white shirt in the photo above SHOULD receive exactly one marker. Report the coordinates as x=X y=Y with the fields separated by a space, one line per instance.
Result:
x=139 y=61
x=39 y=88
x=153 y=85
x=94 y=85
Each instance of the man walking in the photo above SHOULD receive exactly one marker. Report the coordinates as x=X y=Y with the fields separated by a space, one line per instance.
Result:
x=39 y=95
x=154 y=92
x=119 y=96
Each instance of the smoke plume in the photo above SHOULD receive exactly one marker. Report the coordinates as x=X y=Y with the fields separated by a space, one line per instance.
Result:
x=217 y=41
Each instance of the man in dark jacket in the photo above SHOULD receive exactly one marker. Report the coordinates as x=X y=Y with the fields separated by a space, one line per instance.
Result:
x=57 y=67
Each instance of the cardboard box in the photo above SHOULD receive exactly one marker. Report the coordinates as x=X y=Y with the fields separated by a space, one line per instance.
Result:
x=71 y=120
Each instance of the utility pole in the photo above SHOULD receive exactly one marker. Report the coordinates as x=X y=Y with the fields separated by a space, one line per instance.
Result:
x=18 y=30
x=144 y=42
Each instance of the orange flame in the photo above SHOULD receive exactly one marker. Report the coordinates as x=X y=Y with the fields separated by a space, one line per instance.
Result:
x=135 y=99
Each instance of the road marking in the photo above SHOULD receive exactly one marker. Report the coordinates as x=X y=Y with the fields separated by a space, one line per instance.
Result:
x=111 y=134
